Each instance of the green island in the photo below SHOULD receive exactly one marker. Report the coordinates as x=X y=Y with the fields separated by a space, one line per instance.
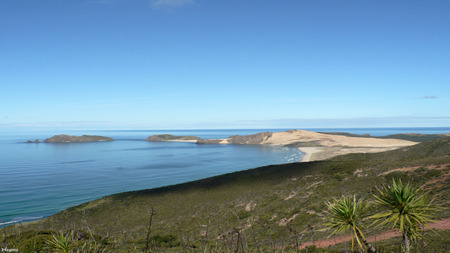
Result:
x=64 y=138
x=169 y=137
x=277 y=208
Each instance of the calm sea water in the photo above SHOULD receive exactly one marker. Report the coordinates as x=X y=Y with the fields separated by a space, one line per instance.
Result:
x=37 y=180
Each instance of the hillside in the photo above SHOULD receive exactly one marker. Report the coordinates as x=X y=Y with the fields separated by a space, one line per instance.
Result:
x=263 y=209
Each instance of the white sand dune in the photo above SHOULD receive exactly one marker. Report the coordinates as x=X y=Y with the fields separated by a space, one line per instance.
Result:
x=331 y=140
x=320 y=146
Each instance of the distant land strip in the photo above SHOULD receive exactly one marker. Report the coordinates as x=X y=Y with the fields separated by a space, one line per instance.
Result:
x=315 y=146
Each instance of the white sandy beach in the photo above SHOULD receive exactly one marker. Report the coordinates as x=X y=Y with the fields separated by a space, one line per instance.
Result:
x=322 y=153
x=179 y=140
x=308 y=153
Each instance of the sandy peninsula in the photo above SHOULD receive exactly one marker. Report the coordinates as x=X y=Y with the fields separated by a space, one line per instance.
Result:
x=320 y=146
x=315 y=146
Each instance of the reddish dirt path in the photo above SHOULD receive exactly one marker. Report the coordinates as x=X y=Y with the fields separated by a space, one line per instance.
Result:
x=441 y=225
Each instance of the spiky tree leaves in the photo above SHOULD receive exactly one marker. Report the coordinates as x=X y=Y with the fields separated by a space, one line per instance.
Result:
x=407 y=209
x=62 y=243
x=346 y=214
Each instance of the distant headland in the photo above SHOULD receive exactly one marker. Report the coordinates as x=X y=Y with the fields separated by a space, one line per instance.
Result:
x=169 y=137
x=314 y=145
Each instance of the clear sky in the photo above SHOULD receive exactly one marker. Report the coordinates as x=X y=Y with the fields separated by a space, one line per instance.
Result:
x=177 y=64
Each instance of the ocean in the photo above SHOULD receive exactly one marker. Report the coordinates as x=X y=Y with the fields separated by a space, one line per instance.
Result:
x=40 y=179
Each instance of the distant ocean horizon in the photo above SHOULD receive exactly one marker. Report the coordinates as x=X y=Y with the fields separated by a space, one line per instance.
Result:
x=40 y=179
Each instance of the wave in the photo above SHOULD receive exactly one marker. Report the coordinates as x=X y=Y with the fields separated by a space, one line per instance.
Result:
x=81 y=161
x=20 y=219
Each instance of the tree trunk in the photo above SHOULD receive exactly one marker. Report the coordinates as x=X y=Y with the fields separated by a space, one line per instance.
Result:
x=369 y=246
x=406 y=242
x=147 y=243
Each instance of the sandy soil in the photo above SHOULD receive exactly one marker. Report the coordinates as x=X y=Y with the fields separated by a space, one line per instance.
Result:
x=322 y=153
x=179 y=140
x=330 y=140
x=309 y=152
x=412 y=168
x=441 y=225
x=328 y=145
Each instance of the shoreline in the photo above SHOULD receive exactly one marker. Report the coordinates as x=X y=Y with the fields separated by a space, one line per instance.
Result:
x=308 y=153
x=180 y=140
x=323 y=153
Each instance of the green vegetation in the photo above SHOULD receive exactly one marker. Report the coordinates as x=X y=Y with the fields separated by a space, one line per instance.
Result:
x=269 y=209
x=347 y=213
x=407 y=209
x=434 y=241
x=415 y=137
x=169 y=137
x=62 y=243
x=63 y=138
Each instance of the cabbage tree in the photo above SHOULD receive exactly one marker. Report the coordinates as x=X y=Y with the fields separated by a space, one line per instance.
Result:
x=347 y=213
x=406 y=208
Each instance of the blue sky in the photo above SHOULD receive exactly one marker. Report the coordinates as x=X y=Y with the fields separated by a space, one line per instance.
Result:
x=177 y=64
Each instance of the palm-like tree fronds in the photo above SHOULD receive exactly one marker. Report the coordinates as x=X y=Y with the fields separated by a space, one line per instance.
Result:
x=345 y=214
x=62 y=243
x=407 y=209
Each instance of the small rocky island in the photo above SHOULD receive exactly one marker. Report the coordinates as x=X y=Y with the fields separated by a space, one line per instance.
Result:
x=63 y=138
x=35 y=141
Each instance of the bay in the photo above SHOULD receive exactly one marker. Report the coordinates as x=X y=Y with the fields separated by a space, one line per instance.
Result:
x=40 y=179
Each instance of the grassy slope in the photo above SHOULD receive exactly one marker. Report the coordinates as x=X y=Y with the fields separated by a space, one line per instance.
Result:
x=265 y=208
x=407 y=137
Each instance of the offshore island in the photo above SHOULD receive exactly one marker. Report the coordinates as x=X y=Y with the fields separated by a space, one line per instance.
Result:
x=64 y=138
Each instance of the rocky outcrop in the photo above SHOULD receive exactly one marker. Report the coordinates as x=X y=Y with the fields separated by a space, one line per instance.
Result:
x=35 y=141
x=169 y=137
x=258 y=138
x=63 y=138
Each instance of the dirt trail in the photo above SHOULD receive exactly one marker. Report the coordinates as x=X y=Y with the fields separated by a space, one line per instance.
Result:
x=440 y=224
